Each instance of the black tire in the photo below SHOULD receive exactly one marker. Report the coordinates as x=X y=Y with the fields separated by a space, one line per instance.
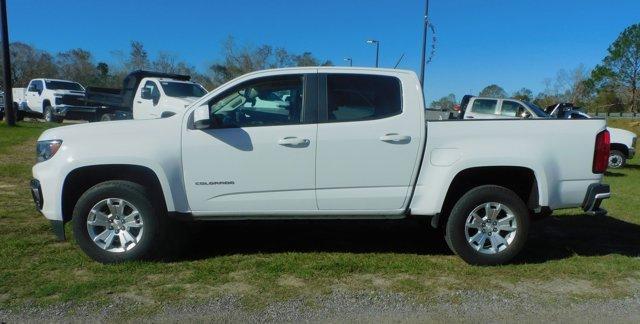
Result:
x=49 y=116
x=1 y=116
x=617 y=159
x=456 y=230
x=105 y=117
x=151 y=216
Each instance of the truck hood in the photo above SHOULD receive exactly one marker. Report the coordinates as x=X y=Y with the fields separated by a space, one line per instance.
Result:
x=180 y=102
x=114 y=132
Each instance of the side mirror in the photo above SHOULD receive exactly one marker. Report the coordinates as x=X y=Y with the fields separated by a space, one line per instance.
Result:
x=146 y=93
x=201 y=118
x=167 y=114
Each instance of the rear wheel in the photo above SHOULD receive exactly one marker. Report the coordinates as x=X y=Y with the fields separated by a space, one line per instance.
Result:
x=617 y=159
x=488 y=226
x=115 y=221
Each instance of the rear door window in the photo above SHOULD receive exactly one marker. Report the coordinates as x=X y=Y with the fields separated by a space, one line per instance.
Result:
x=362 y=97
x=511 y=108
x=485 y=106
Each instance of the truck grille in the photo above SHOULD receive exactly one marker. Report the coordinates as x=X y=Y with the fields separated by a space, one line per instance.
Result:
x=72 y=100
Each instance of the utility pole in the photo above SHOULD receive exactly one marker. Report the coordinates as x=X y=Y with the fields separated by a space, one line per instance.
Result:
x=373 y=41
x=9 y=112
x=424 y=42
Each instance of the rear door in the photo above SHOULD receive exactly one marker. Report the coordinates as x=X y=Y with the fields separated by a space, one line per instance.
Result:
x=482 y=109
x=368 y=142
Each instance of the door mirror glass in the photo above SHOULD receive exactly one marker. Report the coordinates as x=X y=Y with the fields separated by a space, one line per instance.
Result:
x=201 y=117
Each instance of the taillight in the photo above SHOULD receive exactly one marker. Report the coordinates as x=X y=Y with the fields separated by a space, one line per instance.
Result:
x=601 y=154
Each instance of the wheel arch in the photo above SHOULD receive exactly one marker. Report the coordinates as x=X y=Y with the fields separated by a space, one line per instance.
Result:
x=620 y=147
x=81 y=179
x=521 y=180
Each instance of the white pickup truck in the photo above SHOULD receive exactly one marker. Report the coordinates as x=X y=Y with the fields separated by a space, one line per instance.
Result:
x=144 y=95
x=50 y=98
x=316 y=143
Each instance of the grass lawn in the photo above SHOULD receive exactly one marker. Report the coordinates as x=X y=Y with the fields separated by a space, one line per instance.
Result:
x=570 y=256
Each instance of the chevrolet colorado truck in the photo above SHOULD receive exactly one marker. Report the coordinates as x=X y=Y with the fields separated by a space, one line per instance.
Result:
x=316 y=143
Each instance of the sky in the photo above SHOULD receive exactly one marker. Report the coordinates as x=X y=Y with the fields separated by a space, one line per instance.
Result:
x=513 y=43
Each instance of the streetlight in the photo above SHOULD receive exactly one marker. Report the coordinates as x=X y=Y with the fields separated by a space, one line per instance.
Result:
x=350 y=60
x=373 y=41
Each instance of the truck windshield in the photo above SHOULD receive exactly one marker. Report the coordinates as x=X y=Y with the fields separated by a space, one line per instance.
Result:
x=181 y=89
x=64 y=85
x=537 y=110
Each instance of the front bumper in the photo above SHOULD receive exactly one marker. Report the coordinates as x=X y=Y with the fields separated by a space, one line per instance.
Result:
x=596 y=193
x=36 y=193
x=632 y=153
x=69 y=111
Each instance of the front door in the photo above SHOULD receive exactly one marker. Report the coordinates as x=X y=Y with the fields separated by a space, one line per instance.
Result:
x=32 y=96
x=259 y=155
x=368 y=145
x=145 y=105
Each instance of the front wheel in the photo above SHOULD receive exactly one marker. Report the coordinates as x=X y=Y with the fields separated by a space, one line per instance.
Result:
x=617 y=159
x=488 y=226
x=115 y=221
x=49 y=117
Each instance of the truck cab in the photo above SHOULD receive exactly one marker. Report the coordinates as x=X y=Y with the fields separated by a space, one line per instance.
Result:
x=498 y=108
x=156 y=96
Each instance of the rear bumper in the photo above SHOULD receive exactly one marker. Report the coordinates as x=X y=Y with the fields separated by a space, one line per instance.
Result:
x=596 y=193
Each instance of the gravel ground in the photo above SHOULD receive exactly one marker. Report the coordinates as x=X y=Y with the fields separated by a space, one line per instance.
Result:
x=469 y=306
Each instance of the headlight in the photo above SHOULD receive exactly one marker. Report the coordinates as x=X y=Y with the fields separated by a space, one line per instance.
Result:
x=47 y=149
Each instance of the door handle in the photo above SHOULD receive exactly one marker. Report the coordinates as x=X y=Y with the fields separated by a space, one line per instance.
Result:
x=395 y=138
x=293 y=141
x=469 y=117
x=138 y=101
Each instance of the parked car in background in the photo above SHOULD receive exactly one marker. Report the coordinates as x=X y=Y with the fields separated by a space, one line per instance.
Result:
x=473 y=107
x=144 y=95
x=623 y=142
x=51 y=99
x=315 y=143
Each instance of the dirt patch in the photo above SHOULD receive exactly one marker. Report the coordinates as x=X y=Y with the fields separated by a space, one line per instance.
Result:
x=291 y=281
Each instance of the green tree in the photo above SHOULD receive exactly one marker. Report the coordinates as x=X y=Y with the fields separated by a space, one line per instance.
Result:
x=523 y=94
x=493 y=91
x=446 y=102
x=28 y=62
x=620 y=69
x=138 y=57
x=77 y=65
x=239 y=60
